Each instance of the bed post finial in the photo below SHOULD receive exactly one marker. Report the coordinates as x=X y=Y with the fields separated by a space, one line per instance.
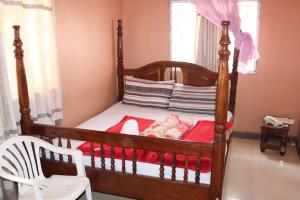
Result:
x=221 y=115
x=234 y=81
x=120 y=67
x=26 y=120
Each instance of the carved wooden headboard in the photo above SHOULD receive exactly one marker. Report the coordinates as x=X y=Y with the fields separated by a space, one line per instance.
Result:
x=187 y=73
x=183 y=72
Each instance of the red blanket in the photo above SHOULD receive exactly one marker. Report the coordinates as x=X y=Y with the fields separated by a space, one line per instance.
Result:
x=203 y=131
x=142 y=123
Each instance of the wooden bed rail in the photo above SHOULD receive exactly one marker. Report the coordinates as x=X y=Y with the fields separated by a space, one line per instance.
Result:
x=123 y=140
x=98 y=171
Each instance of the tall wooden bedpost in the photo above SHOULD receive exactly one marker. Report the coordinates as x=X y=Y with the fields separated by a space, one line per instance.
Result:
x=221 y=116
x=234 y=81
x=26 y=120
x=120 y=67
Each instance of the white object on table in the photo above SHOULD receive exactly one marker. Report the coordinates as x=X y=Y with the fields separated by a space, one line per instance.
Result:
x=278 y=121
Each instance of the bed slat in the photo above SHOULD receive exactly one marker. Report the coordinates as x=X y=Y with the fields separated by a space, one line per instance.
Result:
x=134 y=161
x=186 y=165
x=173 y=167
x=161 y=166
x=102 y=155
x=92 y=154
x=112 y=158
x=43 y=150
x=123 y=160
x=60 y=145
x=197 y=170
x=69 y=147
x=51 y=153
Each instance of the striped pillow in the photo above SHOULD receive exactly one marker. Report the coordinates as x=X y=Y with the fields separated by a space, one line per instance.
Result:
x=147 y=93
x=193 y=99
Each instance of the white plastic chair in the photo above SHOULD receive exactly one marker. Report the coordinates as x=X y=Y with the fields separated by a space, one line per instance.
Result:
x=20 y=162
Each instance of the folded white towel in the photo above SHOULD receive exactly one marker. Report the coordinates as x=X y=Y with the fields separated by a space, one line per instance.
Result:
x=131 y=127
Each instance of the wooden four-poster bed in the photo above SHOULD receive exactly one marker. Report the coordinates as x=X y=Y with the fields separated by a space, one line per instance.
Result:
x=133 y=184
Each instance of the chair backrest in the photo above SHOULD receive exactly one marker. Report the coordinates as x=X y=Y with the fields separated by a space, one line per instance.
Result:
x=20 y=157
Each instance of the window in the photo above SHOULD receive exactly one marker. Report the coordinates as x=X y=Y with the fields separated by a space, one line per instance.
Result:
x=37 y=31
x=249 y=14
x=183 y=29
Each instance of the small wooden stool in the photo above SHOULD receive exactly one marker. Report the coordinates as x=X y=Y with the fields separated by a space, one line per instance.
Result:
x=269 y=130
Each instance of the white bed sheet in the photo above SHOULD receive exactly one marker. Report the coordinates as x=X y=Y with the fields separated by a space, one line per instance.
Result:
x=113 y=115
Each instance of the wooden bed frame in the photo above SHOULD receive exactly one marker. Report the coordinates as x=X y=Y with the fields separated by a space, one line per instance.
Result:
x=132 y=184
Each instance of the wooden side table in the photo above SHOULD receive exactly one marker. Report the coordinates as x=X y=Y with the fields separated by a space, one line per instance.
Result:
x=269 y=130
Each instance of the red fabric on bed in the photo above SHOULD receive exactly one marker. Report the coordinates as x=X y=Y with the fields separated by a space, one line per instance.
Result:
x=203 y=131
x=142 y=123
x=116 y=129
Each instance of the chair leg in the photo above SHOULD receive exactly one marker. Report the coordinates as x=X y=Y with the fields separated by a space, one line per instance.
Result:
x=88 y=192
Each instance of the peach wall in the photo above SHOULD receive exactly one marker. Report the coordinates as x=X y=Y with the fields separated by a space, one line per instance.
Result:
x=146 y=31
x=273 y=89
x=85 y=36
x=298 y=138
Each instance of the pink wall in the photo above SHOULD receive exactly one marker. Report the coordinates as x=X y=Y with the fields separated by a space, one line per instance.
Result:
x=85 y=36
x=273 y=89
x=146 y=31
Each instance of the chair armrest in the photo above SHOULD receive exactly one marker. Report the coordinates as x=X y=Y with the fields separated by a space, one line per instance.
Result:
x=76 y=154
x=17 y=179
x=31 y=182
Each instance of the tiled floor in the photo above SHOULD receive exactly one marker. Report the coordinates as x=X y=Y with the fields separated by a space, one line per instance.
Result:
x=252 y=175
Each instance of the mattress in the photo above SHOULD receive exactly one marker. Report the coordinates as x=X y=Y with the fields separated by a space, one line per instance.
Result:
x=113 y=115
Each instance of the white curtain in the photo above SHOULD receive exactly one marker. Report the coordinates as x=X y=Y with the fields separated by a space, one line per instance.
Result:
x=207 y=44
x=8 y=126
x=7 y=118
x=40 y=57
